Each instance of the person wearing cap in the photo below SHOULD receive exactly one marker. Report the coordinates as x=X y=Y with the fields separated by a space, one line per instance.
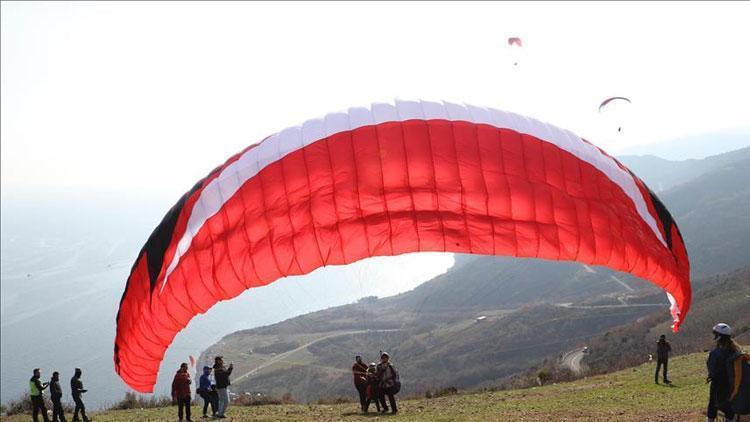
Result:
x=222 y=374
x=76 y=389
x=36 y=388
x=58 y=415
x=662 y=358
x=716 y=364
x=181 y=391
x=207 y=391
x=359 y=371
x=389 y=383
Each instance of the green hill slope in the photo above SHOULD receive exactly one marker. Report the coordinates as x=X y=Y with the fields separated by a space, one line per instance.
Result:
x=627 y=395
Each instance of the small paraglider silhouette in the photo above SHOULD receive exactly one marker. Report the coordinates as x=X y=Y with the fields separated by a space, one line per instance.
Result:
x=515 y=43
x=610 y=100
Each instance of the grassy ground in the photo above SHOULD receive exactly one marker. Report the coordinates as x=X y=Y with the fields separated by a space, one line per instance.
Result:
x=627 y=395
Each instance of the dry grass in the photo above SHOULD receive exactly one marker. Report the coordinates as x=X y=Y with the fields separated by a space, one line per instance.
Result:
x=627 y=395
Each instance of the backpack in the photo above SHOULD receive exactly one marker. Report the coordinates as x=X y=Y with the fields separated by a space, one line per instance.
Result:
x=392 y=385
x=397 y=384
x=738 y=369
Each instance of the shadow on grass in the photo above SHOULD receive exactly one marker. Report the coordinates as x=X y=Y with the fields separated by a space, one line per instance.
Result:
x=368 y=414
x=670 y=385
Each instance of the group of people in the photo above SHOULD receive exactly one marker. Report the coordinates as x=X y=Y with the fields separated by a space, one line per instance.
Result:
x=213 y=391
x=376 y=381
x=37 y=387
x=724 y=352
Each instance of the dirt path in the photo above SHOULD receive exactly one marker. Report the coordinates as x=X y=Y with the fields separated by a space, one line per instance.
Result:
x=630 y=305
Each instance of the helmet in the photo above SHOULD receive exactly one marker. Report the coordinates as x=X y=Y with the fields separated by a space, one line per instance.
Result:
x=384 y=355
x=722 y=329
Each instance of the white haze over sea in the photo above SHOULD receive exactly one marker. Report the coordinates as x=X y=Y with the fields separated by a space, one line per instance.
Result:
x=65 y=260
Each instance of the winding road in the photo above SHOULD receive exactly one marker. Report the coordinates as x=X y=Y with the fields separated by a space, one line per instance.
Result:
x=281 y=356
x=572 y=360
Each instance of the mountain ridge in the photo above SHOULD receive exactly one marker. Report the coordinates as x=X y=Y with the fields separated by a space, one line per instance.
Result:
x=532 y=309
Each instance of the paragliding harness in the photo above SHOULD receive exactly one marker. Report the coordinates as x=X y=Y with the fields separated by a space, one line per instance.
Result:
x=738 y=367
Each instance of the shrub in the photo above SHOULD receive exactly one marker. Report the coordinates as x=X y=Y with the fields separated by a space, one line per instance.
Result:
x=335 y=400
x=19 y=406
x=543 y=376
x=446 y=391
x=278 y=347
x=136 y=401
x=259 y=399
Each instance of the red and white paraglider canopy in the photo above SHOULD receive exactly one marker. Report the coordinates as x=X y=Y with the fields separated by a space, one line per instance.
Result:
x=386 y=180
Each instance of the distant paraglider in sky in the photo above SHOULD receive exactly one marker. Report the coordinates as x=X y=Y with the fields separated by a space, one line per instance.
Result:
x=615 y=108
x=414 y=176
x=515 y=44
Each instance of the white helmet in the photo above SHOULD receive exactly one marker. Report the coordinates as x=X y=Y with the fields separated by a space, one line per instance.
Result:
x=722 y=329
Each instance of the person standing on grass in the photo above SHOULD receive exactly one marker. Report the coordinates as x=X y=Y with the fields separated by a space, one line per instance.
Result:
x=359 y=371
x=181 y=391
x=207 y=391
x=58 y=415
x=373 y=391
x=76 y=389
x=221 y=374
x=718 y=376
x=389 y=382
x=663 y=348
x=36 y=388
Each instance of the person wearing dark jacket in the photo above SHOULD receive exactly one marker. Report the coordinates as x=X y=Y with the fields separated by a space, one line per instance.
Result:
x=716 y=364
x=373 y=389
x=36 y=388
x=389 y=383
x=221 y=374
x=181 y=391
x=76 y=389
x=58 y=415
x=359 y=371
x=663 y=348
x=207 y=391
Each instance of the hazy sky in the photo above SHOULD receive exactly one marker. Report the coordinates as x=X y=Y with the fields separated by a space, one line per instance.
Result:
x=154 y=95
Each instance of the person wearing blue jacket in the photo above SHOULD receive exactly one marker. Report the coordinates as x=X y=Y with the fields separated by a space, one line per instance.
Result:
x=718 y=376
x=207 y=391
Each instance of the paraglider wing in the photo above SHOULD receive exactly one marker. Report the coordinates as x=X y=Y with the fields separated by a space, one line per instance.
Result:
x=515 y=44
x=610 y=99
x=515 y=41
x=387 y=180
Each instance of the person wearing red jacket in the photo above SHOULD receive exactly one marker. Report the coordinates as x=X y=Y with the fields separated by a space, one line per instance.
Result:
x=181 y=391
x=359 y=371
